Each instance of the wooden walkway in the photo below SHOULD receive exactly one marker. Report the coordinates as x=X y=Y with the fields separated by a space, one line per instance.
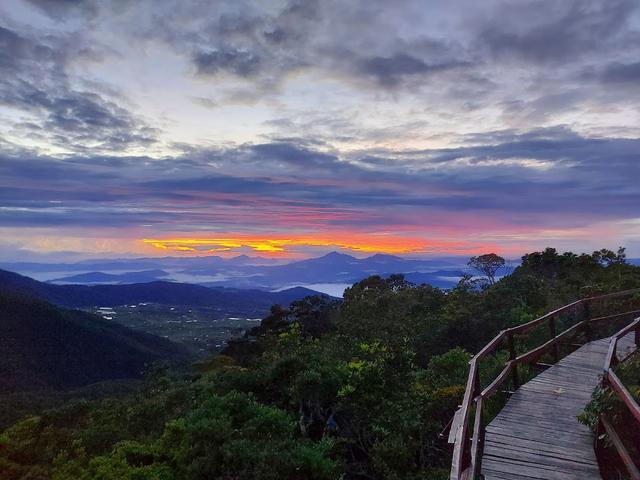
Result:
x=537 y=435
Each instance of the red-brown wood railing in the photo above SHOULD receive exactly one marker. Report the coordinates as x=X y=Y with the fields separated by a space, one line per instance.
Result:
x=465 y=464
x=610 y=381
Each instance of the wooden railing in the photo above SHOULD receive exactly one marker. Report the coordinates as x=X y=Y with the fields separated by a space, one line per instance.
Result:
x=610 y=381
x=465 y=464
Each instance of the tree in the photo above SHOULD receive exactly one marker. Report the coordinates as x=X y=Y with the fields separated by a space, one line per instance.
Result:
x=607 y=257
x=487 y=264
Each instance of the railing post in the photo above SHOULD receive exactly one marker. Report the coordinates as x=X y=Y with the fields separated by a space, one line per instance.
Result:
x=552 y=331
x=470 y=451
x=587 y=318
x=512 y=356
x=476 y=442
x=637 y=335
x=597 y=444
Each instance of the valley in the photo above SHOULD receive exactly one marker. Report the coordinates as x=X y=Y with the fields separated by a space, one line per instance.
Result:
x=203 y=330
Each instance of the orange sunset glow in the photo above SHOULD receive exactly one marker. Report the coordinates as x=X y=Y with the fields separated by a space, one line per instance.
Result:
x=279 y=246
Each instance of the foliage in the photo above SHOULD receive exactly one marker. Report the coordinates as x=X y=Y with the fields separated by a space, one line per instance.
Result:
x=606 y=402
x=629 y=373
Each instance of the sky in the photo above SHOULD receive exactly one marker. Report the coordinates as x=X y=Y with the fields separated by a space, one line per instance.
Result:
x=292 y=128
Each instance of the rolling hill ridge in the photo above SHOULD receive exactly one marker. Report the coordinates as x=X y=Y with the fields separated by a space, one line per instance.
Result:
x=48 y=347
x=162 y=292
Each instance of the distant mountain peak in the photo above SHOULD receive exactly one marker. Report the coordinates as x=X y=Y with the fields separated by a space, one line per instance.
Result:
x=335 y=254
x=384 y=257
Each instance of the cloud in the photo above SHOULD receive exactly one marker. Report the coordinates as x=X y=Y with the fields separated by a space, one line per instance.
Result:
x=59 y=9
x=621 y=73
x=557 y=32
x=390 y=71
x=453 y=60
x=293 y=154
x=238 y=62
x=367 y=115
x=520 y=176
x=35 y=82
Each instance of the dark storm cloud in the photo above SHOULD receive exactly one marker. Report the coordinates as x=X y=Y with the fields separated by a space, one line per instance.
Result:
x=293 y=154
x=390 y=71
x=559 y=145
x=34 y=80
x=238 y=62
x=326 y=36
x=621 y=73
x=268 y=47
x=58 y=9
x=565 y=31
x=12 y=48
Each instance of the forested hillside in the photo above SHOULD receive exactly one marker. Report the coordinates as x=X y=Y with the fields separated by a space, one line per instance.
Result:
x=43 y=346
x=321 y=390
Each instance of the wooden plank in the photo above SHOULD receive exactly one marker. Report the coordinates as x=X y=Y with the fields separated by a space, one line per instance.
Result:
x=542 y=459
x=546 y=424
x=523 y=432
x=545 y=442
x=516 y=443
x=515 y=467
x=542 y=464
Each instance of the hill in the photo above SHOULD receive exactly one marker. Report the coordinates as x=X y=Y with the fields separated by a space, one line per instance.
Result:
x=101 y=277
x=44 y=346
x=167 y=293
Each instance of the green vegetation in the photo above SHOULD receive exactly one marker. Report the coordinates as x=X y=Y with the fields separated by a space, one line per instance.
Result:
x=629 y=373
x=320 y=390
x=605 y=401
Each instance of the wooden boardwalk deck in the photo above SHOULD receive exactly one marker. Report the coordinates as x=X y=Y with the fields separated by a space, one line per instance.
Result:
x=537 y=435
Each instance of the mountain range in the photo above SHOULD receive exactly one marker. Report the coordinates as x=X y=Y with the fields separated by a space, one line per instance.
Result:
x=161 y=292
x=247 y=272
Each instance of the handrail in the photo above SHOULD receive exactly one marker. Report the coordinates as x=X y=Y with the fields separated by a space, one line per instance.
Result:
x=620 y=448
x=466 y=452
x=611 y=381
